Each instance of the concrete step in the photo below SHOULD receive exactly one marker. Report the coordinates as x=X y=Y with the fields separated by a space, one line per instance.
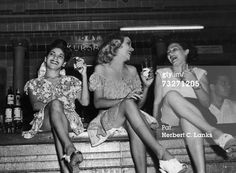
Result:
x=43 y=156
x=38 y=155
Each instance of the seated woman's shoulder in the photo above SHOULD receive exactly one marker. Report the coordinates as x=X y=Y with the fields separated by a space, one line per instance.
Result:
x=99 y=68
x=131 y=69
x=199 y=70
x=34 y=80
x=163 y=69
x=32 y=83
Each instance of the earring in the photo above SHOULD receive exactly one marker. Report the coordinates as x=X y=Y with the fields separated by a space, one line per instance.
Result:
x=42 y=70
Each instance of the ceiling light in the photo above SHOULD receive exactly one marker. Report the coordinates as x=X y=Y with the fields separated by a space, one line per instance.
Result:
x=162 y=28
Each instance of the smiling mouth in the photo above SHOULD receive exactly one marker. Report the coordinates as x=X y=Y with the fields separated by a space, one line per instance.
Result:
x=173 y=58
x=54 y=62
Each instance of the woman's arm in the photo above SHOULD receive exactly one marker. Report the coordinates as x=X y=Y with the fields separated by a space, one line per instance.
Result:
x=157 y=95
x=81 y=67
x=84 y=98
x=144 y=96
x=103 y=103
x=202 y=90
x=146 y=84
x=37 y=105
x=99 y=101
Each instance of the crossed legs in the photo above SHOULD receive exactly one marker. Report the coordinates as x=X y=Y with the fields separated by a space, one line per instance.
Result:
x=192 y=121
x=138 y=150
x=140 y=134
x=56 y=121
x=195 y=145
x=189 y=112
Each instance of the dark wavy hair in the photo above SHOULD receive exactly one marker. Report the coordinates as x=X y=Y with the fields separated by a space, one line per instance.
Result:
x=192 y=56
x=109 y=48
x=61 y=44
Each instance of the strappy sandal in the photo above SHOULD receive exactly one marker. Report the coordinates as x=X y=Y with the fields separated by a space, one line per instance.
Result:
x=173 y=166
x=73 y=161
x=227 y=142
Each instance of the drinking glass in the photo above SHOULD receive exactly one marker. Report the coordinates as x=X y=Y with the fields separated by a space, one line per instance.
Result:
x=147 y=69
x=78 y=63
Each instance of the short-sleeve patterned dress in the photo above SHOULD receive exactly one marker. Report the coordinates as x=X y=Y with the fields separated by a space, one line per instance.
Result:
x=108 y=121
x=66 y=90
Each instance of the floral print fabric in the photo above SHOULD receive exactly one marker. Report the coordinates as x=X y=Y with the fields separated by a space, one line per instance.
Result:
x=67 y=89
x=101 y=127
x=114 y=89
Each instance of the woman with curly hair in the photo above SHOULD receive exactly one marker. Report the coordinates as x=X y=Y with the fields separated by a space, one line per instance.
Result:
x=52 y=95
x=119 y=94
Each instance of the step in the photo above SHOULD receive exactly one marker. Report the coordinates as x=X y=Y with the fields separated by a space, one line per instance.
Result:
x=43 y=157
x=38 y=154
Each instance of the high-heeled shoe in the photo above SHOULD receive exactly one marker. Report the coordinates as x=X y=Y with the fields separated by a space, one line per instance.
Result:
x=173 y=166
x=227 y=142
x=73 y=161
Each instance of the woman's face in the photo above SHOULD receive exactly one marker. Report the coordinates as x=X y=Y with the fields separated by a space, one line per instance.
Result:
x=55 y=59
x=176 y=54
x=125 y=49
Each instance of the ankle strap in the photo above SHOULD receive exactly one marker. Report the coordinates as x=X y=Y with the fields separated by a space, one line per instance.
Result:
x=66 y=157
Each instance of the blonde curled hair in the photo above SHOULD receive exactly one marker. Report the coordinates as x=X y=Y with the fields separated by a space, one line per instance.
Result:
x=109 y=49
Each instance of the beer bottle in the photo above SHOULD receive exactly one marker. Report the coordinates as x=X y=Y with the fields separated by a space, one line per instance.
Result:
x=9 y=111
x=17 y=112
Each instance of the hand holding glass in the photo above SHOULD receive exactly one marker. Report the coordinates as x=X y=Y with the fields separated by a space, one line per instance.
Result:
x=147 y=70
x=79 y=63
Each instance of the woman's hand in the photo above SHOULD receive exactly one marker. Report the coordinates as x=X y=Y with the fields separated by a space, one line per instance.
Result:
x=135 y=95
x=154 y=126
x=80 y=65
x=147 y=77
x=189 y=75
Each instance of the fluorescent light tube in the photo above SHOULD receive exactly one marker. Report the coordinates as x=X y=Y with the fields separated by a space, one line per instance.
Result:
x=162 y=28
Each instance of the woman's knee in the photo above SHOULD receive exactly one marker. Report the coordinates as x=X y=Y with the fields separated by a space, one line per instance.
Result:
x=128 y=102
x=126 y=106
x=55 y=105
x=172 y=95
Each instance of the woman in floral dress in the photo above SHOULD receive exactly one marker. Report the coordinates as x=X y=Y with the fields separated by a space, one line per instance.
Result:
x=52 y=95
x=119 y=94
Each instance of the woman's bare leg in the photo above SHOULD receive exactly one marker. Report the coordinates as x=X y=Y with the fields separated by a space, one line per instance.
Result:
x=189 y=112
x=60 y=153
x=132 y=114
x=138 y=150
x=195 y=145
x=56 y=121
